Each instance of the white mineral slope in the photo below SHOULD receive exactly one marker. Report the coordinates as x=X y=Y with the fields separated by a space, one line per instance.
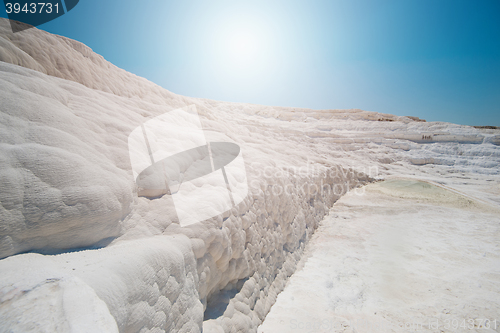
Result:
x=398 y=256
x=67 y=183
x=67 y=187
x=71 y=60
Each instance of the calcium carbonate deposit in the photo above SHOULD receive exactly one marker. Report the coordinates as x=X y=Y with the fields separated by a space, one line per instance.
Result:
x=87 y=245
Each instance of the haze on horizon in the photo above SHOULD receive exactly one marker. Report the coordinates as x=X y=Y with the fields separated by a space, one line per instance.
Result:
x=438 y=60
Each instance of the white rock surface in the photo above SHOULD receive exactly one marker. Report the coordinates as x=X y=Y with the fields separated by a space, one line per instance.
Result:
x=67 y=187
x=403 y=255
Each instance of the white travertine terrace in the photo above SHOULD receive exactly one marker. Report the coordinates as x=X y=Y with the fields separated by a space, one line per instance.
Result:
x=103 y=259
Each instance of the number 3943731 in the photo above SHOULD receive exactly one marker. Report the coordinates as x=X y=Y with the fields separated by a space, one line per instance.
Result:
x=32 y=8
x=26 y=14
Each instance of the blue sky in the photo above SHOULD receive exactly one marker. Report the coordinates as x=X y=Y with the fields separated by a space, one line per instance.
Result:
x=435 y=59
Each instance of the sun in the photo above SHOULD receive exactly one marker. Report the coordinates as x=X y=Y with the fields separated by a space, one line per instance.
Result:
x=240 y=45
x=243 y=47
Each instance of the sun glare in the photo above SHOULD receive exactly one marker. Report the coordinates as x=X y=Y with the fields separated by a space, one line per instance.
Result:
x=241 y=46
